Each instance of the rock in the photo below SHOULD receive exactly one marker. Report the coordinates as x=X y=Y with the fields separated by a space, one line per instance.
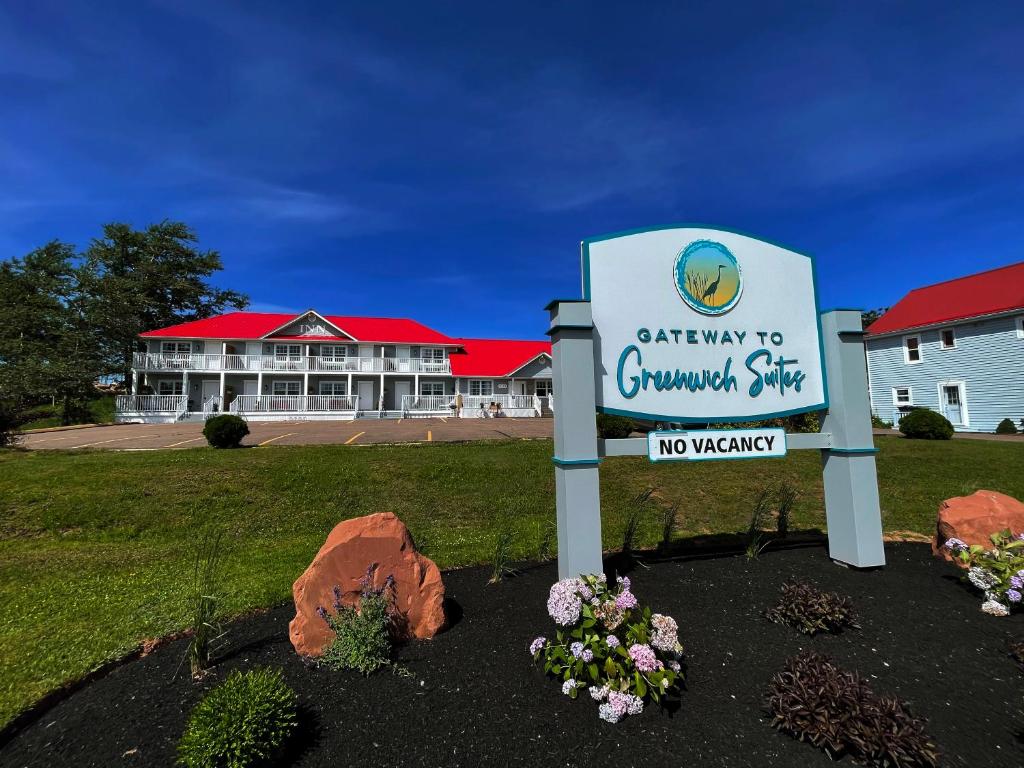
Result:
x=976 y=517
x=380 y=542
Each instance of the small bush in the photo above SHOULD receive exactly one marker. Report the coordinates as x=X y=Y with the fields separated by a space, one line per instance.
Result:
x=612 y=427
x=879 y=423
x=362 y=636
x=836 y=711
x=1006 y=427
x=811 y=611
x=924 y=424
x=225 y=431
x=242 y=722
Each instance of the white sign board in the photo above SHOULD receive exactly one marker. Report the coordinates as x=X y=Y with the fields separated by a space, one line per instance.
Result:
x=695 y=325
x=710 y=444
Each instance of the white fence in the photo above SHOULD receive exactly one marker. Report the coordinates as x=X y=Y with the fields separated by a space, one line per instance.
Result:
x=147 y=361
x=428 y=403
x=149 y=403
x=247 y=404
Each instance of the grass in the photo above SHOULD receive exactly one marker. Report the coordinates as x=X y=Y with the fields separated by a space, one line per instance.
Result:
x=96 y=548
x=101 y=411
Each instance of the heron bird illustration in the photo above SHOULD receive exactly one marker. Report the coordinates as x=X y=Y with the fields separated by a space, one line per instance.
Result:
x=711 y=289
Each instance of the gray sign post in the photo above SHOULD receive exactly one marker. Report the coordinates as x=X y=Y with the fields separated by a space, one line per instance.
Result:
x=848 y=455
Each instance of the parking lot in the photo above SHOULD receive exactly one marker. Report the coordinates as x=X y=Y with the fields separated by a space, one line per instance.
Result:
x=125 y=437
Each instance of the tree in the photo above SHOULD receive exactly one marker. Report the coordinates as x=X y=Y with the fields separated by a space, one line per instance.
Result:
x=869 y=316
x=47 y=347
x=138 y=280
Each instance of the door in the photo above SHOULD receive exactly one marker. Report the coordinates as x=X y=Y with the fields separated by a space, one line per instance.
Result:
x=210 y=389
x=952 y=401
x=365 y=391
x=249 y=387
x=518 y=387
x=402 y=388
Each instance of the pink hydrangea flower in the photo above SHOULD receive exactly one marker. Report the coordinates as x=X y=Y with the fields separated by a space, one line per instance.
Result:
x=644 y=658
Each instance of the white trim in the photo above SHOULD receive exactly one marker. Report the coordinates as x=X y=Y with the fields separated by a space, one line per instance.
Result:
x=480 y=393
x=910 y=396
x=942 y=338
x=333 y=383
x=432 y=385
x=1020 y=327
x=173 y=383
x=915 y=329
x=906 y=349
x=531 y=360
x=302 y=316
x=965 y=416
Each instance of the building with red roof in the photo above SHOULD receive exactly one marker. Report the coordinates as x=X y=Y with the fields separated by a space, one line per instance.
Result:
x=956 y=347
x=271 y=366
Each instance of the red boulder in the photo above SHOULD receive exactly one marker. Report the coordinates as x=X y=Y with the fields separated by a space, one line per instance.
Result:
x=382 y=543
x=974 y=518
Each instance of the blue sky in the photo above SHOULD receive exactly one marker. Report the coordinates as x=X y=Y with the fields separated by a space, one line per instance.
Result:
x=443 y=160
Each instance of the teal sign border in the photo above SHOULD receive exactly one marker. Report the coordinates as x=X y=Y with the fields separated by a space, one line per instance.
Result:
x=585 y=255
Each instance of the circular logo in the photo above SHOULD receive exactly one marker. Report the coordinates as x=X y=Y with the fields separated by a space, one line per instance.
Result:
x=708 y=277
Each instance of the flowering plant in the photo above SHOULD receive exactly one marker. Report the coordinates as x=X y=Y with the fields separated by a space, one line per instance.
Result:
x=622 y=652
x=998 y=572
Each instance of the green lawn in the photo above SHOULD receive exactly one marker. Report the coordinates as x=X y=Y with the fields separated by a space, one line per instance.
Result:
x=96 y=547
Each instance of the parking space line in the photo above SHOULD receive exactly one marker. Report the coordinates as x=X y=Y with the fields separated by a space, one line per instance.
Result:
x=175 y=445
x=354 y=438
x=116 y=439
x=266 y=442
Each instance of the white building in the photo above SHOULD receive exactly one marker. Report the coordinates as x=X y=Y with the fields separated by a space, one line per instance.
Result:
x=269 y=366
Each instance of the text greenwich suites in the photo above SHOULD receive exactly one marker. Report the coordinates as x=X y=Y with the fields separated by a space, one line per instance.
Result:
x=703 y=324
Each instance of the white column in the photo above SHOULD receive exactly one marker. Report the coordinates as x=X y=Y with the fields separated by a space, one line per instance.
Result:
x=380 y=402
x=416 y=387
x=349 y=390
x=184 y=386
x=305 y=386
x=223 y=385
x=135 y=382
x=259 y=383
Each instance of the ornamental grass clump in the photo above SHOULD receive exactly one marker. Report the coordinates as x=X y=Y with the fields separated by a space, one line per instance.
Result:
x=809 y=610
x=244 y=721
x=607 y=643
x=998 y=571
x=813 y=700
x=363 y=635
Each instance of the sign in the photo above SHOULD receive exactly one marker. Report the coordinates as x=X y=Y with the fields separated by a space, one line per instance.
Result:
x=711 y=444
x=703 y=325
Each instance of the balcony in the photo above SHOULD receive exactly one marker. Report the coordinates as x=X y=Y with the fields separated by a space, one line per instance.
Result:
x=199 y=362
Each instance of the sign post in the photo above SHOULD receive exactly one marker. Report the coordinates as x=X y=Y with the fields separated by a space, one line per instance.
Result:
x=694 y=328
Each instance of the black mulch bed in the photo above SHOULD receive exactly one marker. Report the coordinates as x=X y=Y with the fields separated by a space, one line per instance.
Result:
x=475 y=698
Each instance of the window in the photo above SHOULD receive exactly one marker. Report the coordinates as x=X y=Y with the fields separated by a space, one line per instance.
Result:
x=483 y=387
x=902 y=396
x=543 y=387
x=432 y=358
x=947 y=338
x=287 y=352
x=169 y=387
x=334 y=388
x=912 y=349
x=287 y=388
x=1020 y=327
x=333 y=352
x=431 y=387
x=175 y=347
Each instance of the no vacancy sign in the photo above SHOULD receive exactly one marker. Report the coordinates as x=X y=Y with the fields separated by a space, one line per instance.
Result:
x=707 y=444
x=703 y=325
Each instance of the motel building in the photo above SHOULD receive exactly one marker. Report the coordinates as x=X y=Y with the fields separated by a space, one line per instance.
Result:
x=267 y=367
x=955 y=347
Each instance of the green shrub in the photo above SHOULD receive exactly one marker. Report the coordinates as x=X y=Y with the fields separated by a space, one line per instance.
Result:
x=362 y=637
x=225 y=431
x=811 y=611
x=1006 y=427
x=836 y=711
x=878 y=422
x=242 y=722
x=612 y=427
x=8 y=426
x=924 y=424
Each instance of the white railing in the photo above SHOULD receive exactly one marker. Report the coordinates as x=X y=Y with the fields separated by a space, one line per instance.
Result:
x=135 y=403
x=506 y=402
x=428 y=403
x=149 y=361
x=244 y=404
x=212 y=406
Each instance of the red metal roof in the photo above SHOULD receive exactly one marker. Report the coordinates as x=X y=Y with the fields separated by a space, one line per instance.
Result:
x=985 y=293
x=495 y=357
x=255 y=325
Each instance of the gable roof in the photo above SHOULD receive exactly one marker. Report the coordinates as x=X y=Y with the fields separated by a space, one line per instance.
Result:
x=984 y=293
x=253 y=326
x=495 y=357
